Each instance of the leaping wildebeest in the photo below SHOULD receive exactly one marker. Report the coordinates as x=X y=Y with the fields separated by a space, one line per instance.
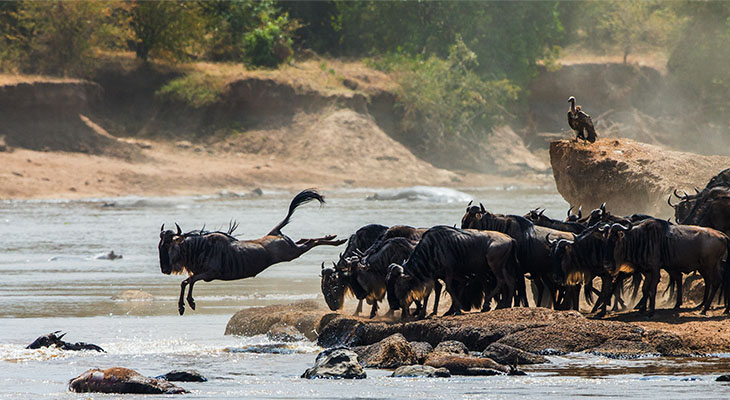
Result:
x=209 y=256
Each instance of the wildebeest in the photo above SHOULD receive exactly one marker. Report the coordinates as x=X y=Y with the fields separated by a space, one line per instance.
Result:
x=53 y=339
x=209 y=256
x=574 y=217
x=710 y=208
x=335 y=282
x=533 y=249
x=539 y=218
x=370 y=270
x=580 y=122
x=454 y=255
x=655 y=243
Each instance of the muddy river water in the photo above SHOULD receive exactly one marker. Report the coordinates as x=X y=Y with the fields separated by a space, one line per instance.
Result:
x=52 y=280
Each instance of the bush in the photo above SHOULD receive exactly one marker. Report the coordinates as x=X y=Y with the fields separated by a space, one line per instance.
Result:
x=196 y=90
x=270 y=44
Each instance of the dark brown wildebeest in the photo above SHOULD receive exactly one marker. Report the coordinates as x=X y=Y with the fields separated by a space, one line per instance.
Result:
x=574 y=217
x=656 y=244
x=533 y=249
x=211 y=256
x=336 y=283
x=709 y=208
x=538 y=217
x=454 y=255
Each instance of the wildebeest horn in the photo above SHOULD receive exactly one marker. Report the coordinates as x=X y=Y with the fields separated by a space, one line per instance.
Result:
x=322 y=264
x=603 y=207
x=162 y=228
x=580 y=212
x=569 y=210
x=621 y=227
x=540 y=213
x=696 y=190
x=481 y=206
x=677 y=194
x=179 y=231
x=469 y=205
x=59 y=337
x=358 y=252
x=550 y=242
x=669 y=201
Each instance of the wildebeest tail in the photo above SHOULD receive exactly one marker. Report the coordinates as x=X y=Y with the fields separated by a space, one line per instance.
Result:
x=515 y=269
x=305 y=196
x=726 y=277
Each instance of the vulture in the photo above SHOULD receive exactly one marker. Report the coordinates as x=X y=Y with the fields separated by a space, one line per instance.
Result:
x=580 y=122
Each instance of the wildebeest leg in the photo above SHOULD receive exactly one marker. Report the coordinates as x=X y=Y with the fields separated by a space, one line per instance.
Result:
x=358 y=310
x=713 y=290
x=540 y=289
x=181 y=301
x=652 y=290
x=455 y=303
x=437 y=295
x=374 y=309
x=678 y=282
x=205 y=276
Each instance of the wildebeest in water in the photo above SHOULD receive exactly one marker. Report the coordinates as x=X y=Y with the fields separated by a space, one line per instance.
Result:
x=209 y=256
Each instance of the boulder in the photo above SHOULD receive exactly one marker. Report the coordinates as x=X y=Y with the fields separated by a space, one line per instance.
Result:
x=183 y=376
x=631 y=177
x=391 y=352
x=667 y=343
x=420 y=371
x=121 y=380
x=508 y=355
x=723 y=378
x=422 y=350
x=451 y=346
x=336 y=363
x=461 y=364
x=303 y=316
x=282 y=332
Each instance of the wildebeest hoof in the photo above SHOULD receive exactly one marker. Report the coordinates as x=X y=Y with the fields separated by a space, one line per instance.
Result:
x=191 y=303
x=181 y=309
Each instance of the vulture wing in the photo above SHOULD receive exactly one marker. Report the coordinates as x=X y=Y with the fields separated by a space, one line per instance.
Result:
x=573 y=122
x=584 y=120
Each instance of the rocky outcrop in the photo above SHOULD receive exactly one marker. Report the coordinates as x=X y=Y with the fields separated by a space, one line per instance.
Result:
x=121 y=380
x=508 y=333
x=303 y=316
x=631 y=177
x=464 y=364
x=425 y=371
x=337 y=363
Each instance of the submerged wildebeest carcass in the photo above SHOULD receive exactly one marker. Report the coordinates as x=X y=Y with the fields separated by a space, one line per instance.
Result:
x=53 y=339
x=454 y=256
x=655 y=244
x=538 y=217
x=211 y=256
x=336 y=282
x=533 y=249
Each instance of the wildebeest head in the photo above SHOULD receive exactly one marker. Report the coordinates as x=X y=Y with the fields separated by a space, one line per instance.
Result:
x=169 y=250
x=51 y=339
x=574 y=217
x=683 y=208
x=537 y=216
x=614 y=247
x=473 y=216
x=334 y=286
x=396 y=285
x=560 y=252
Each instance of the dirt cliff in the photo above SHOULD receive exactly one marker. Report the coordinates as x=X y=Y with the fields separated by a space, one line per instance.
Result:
x=631 y=177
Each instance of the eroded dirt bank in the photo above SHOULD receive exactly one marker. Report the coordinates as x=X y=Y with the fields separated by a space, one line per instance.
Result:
x=631 y=177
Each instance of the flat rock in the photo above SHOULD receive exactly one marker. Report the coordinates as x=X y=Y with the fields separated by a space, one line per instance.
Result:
x=422 y=350
x=282 y=332
x=420 y=371
x=459 y=364
x=508 y=355
x=336 y=363
x=391 y=352
x=121 y=380
x=451 y=346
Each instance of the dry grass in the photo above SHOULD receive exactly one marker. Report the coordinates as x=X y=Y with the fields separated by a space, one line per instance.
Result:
x=649 y=58
x=15 y=79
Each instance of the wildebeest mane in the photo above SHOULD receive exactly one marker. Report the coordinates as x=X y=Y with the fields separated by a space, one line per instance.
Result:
x=387 y=253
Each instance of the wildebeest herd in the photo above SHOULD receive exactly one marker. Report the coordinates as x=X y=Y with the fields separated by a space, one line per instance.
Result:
x=491 y=257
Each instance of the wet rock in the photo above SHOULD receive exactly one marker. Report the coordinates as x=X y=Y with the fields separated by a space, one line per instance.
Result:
x=303 y=316
x=667 y=343
x=336 y=363
x=624 y=349
x=285 y=333
x=183 y=376
x=420 y=371
x=451 y=346
x=53 y=339
x=108 y=256
x=183 y=144
x=422 y=350
x=459 y=364
x=508 y=355
x=723 y=378
x=350 y=84
x=121 y=380
x=391 y=352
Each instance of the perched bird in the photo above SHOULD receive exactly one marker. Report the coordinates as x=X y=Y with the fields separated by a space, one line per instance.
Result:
x=580 y=122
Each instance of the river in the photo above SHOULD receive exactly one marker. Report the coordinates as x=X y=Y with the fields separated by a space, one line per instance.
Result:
x=51 y=281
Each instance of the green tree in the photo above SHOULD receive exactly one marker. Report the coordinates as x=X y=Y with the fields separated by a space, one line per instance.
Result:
x=170 y=30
